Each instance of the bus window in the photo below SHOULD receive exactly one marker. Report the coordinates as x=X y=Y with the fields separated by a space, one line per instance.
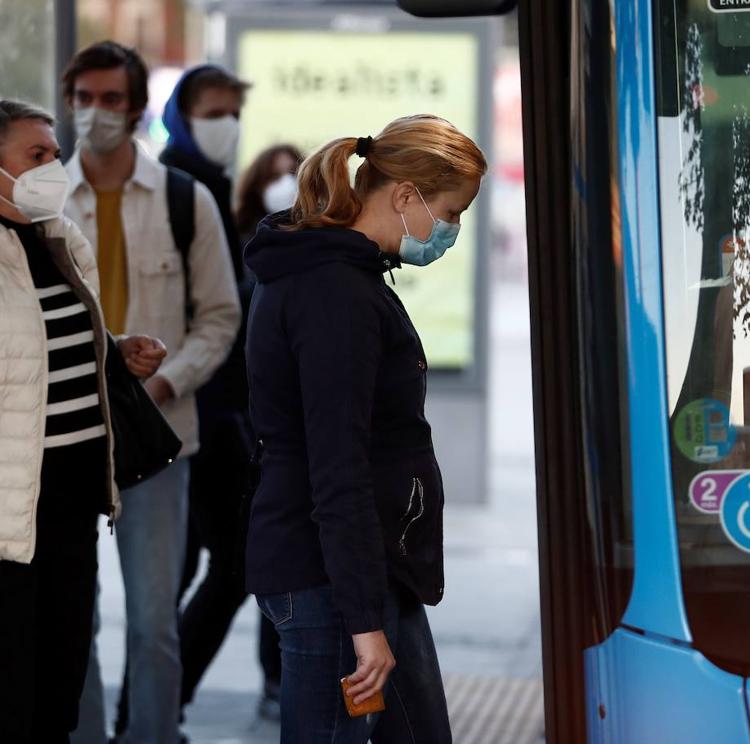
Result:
x=704 y=170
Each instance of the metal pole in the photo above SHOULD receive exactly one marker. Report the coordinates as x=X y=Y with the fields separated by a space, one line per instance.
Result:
x=65 y=47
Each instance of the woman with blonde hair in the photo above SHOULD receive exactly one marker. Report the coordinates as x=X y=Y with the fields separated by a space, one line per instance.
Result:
x=57 y=440
x=345 y=536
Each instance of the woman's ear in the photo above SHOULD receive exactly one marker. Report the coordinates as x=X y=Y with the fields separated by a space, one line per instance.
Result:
x=402 y=195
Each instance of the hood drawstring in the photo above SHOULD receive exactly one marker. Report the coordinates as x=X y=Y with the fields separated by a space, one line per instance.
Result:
x=389 y=265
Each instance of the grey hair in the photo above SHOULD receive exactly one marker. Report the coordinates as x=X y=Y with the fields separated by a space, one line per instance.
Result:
x=11 y=111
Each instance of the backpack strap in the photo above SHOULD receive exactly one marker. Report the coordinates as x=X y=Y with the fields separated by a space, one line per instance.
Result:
x=181 y=207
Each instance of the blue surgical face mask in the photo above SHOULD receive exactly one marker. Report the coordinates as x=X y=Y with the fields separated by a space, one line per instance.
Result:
x=423 y=252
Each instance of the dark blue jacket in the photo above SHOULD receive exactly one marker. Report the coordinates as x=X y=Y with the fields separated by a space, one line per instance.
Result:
x=350 y=491
x=225 y=396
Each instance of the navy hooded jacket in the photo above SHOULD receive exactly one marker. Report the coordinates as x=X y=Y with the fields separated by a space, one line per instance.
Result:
x=350 y=492
x=225 y=396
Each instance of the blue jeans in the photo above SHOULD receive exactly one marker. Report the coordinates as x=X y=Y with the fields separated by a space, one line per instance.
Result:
x=316 y=652
x=151 y=537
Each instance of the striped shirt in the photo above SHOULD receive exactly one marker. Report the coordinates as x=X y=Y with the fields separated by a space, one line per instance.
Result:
x=74 y=413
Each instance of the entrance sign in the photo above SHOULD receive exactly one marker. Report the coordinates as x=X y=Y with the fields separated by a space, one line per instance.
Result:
x=728 y=6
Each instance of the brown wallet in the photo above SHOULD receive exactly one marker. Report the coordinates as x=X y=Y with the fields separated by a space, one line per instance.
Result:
x=373 y=704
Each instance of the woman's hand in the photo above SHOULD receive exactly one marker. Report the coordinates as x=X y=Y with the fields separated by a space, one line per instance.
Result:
x=143 y=355
x=374 y=664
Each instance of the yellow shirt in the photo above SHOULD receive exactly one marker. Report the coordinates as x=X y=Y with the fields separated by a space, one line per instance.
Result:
x=112 y=258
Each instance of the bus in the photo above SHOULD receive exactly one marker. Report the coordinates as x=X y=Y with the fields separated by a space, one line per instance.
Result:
x=636 y=121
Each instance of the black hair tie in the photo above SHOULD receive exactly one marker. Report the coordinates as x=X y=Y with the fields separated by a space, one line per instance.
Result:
x=363 y=146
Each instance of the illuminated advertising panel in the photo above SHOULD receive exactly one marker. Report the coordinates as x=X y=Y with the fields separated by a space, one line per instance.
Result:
x=314 y=85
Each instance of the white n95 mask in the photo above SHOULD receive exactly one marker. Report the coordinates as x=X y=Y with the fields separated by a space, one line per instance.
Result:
x=280 y=194
x=217 y=139
x=39 y=193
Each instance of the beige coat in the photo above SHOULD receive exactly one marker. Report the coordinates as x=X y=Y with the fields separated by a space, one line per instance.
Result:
x=24 y=377
x=156 y=288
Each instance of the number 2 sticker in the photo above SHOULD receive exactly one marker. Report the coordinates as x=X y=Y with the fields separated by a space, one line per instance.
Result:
x=707 y=489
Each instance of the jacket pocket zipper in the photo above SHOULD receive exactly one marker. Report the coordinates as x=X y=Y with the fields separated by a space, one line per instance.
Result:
x=416 y=490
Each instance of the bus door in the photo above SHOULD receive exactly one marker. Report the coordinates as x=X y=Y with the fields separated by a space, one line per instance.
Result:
x=677 y=668
x=665 y=82
x=637 y=148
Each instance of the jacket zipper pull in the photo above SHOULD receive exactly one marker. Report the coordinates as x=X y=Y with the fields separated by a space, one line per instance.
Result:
x=111 y=521
x=393 y=281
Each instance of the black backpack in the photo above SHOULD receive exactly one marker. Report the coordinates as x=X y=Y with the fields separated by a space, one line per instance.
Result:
x=181 y=207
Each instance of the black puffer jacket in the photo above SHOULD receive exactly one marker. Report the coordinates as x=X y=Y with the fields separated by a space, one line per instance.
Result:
x=350 y=490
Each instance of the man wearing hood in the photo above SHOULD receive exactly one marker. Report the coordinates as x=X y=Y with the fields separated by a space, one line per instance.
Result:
x=119 y=199
x=202 y=118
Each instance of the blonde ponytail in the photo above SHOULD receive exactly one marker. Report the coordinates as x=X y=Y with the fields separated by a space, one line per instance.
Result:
x=426 y=150
x=326 y=198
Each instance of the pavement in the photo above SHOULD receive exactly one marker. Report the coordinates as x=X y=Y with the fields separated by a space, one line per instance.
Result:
x=486 y=629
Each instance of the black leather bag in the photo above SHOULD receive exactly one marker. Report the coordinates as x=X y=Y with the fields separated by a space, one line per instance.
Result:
x=145 y=443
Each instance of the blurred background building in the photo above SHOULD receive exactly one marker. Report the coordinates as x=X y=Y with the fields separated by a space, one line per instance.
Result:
x=173 y=34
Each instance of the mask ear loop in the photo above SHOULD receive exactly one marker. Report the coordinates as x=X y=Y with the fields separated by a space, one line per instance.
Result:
x=429 y=211
x=14 y=180
x=8 y=202
x=403 y=219
x=7 y=175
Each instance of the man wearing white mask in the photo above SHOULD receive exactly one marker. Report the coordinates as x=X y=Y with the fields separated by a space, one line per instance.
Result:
x=202 y=118
x=119 y=197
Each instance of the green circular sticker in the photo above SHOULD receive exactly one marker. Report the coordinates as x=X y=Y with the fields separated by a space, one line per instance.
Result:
x=702 y=431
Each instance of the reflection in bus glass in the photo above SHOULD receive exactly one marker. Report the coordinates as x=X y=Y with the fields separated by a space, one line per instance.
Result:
x=704 y=164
